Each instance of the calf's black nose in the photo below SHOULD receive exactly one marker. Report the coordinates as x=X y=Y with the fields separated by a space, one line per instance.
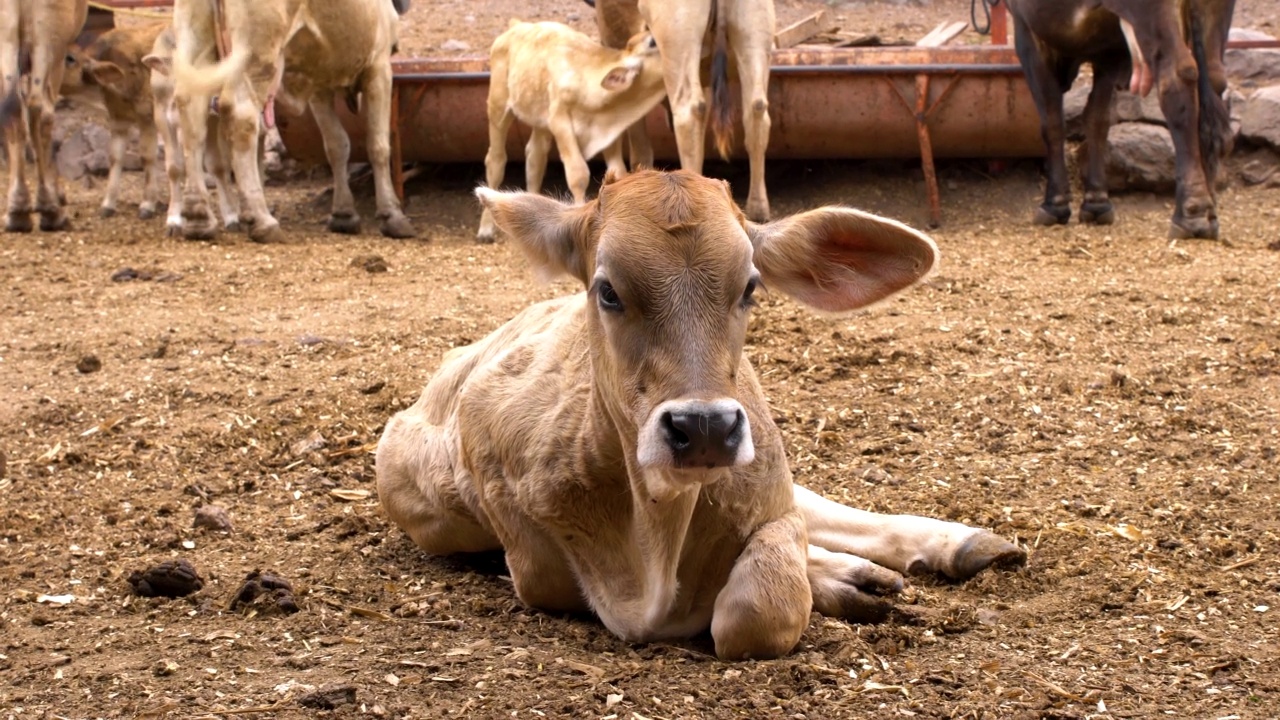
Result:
x=704 y=438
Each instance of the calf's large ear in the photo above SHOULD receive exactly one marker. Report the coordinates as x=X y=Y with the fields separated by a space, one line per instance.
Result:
x=840 y=259
x=620 y=78
x=161 y=65
x=557 y=237
x=108 y=75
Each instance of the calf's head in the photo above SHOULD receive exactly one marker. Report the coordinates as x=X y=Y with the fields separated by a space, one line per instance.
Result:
x=640 y=55
x=672 y=268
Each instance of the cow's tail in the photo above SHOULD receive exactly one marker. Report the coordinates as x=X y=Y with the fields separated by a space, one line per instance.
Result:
x=1215 y=119
x=189 y=80
x=721 y=108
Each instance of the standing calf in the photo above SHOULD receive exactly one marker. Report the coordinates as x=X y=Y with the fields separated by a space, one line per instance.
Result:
x=617 y=445
x=251 y=52
x=217 y=148
x=113 y=64
x=566 y=86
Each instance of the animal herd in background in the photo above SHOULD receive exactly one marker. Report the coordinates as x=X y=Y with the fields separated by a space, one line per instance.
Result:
x=244 y=56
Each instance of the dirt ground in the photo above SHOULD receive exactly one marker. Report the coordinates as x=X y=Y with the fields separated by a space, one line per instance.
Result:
x=1108 y=399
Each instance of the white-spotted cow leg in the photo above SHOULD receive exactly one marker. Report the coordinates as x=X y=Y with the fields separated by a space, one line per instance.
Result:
x=905 y=543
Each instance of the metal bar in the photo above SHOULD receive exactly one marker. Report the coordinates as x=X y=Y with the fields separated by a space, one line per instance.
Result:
x=999 y=23
x=926 y=149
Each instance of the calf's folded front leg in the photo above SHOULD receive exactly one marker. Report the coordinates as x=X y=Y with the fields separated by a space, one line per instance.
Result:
x=764 y=607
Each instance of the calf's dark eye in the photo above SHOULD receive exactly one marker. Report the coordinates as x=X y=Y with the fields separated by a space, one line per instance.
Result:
x=608 y=297
x=748 y=295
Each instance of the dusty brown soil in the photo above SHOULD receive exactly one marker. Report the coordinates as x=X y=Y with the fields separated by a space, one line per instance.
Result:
x=1108 y=399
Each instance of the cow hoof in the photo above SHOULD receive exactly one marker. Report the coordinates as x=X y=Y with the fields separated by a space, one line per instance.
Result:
x=485 y=237
x=398 y=226
x=269 y=234
x=233 y=227
x=1097 y=214
x=54 y=221
x=19 y=223
x=344 y=224
x=172 y=231
x=199 y=234
x=1198 y=229
x=106 y=212
x=146 y=213
x=1050 y=216
x=982 y=551
x=758 y=210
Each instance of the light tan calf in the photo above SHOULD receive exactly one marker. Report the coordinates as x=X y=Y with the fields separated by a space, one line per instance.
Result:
x=566 y=86
x=617 y=445
x=687 y=31
x=40 y=30
x=300 y=50
x=618 y=21
x=113 y=65
x=217 y=151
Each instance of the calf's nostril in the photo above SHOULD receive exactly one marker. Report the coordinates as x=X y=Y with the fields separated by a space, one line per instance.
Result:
x=676 y=425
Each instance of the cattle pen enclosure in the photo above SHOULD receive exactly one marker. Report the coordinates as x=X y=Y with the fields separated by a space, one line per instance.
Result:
x=1109 y=399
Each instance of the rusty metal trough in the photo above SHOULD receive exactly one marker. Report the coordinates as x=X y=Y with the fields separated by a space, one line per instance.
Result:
x=883 y=102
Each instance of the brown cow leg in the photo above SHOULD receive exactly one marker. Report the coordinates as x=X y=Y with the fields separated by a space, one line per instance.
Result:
x=1043 y=77
x=1176 y=75
x=1097 y=208
x=19 y=217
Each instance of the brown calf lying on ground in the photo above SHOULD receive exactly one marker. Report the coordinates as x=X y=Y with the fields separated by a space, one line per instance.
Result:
x=566 y=86
x=39 y=31
x=617 y=445
x=310 y=51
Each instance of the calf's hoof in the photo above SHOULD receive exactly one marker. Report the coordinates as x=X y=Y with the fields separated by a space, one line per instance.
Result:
x=344 y=223
x=1049 y=215
x=173 y=230
x=1197 y=228
x=193 y=231
x=758 y=210
x=1097 y=214
x=982 y=551
x=106 y=212
x=398 y=226
x=233 y=227
x=146 y=213
x=267 y=234
x=19 y=222
x=56 y=221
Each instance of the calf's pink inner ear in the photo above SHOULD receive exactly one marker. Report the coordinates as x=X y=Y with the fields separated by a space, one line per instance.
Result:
x=841 y=260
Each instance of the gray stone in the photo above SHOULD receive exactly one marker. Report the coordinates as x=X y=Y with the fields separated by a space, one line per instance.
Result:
x=1260 y=117
x=1141 y=157
x=1135 y=108
x=1257 y=172
x=1073 y=104
x=1256 y=65
x=455 y=46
